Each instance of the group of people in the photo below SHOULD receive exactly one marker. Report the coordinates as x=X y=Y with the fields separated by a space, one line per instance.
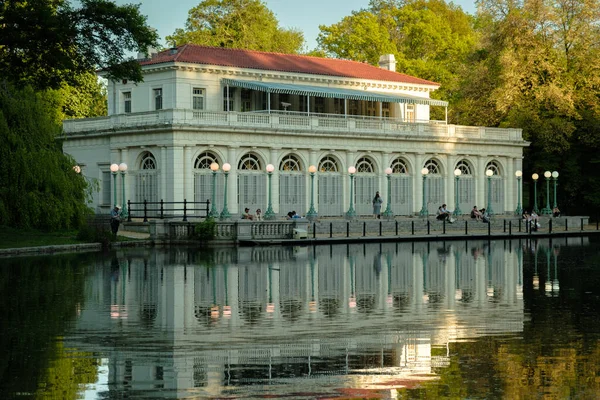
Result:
x=444 y=215
x=480 y=214
x=532 y=219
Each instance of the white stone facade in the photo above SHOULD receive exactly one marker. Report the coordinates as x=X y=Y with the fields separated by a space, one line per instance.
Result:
x=170 y=128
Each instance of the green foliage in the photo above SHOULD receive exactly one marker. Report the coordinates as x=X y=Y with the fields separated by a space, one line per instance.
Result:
x=244 y=24
x=96 y=230
x=206 y=230
x=44 y=43
x=38 y=186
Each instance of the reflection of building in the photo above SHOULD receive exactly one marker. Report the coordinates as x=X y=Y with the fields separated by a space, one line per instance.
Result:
x=290 y=316
x=200 y=105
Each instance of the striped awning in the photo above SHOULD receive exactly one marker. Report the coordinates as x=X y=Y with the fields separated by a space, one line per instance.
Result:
x=331 y=92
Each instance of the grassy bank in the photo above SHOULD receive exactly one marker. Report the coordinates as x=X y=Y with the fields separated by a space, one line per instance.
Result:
x=14 y=238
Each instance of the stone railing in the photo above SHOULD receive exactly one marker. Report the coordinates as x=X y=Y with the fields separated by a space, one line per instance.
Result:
x=291 y=122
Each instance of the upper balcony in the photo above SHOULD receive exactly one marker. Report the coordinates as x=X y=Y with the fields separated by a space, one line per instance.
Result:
x=289 y=121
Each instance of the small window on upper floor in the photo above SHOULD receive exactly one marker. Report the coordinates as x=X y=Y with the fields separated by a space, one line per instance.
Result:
x=198 y=98
x=410 y=113
x=158 y=99
x=127 y=102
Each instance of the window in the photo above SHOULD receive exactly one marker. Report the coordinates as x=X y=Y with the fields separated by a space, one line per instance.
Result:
x=338 y=106
x=319 y=105
x=127 y=102
x=246 y=96
x=410 y=113
x=371 y=108
x=353 y=107
x=198 y=99
x=328 y=164
x=106 y=187
x=158 y=103
x=290 y=163
x=385 y=109
x=399 y=166
x=365 y=165
x=228 y=93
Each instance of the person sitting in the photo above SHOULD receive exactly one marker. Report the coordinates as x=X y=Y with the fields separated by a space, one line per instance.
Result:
x=476 y=214
x=555 y=212
x=258 y=215
x=246 y=214
x=294 y=215
x=485 y=216
x=442 y=214
x=445 y=210
x=533 y=220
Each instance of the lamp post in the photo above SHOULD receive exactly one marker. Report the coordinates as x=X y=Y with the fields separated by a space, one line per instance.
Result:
x=311 y=215
x=519 y=210
x=457 y=174
x=114 y=168
x=351 y=214
x=269 y=214
x=388 y=213
x=77 y=169
x=424 y=211
x=225 y=213
x=547 y=210
x=123 y=169
x=535 y=178
x=555 y=179
x=214 y=167
x=489 y=174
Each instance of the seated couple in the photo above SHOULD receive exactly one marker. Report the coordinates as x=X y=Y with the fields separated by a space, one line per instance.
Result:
x=443 y=214
x=532 y=219
x=480 y=215
x=246 y=215
x=292 y=215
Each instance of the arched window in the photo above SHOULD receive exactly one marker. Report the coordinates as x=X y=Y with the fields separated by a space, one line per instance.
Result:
x=289 y=163
x=148 y=161
x=464 y=167
x=433 y=167
x=204 y=160
x=399 y=166
x=493 y=165
x=146 y=179
x=328 y=164
x=249 y=163
x=365 y=165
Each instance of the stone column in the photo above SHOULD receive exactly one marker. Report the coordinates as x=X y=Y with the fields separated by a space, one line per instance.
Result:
x=162 y=170
x=232 y=192
x=188 y=179
x=273 y=159
x=480 y=183
x=418 y=182
x=385 y=163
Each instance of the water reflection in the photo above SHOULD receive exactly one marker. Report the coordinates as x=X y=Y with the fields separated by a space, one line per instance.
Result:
x=312 y=321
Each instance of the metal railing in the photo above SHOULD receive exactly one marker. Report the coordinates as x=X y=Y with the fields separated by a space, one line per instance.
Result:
x=167 y=209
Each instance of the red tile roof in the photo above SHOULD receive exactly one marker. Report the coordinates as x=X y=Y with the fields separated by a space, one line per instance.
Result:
x=191 y=53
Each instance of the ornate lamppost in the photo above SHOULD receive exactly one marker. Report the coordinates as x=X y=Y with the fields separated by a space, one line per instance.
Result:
x=388 y=213
x=123 y=169
x=535 y=178
x=311 y=215
x=519 y=210
x=424 y=211
x=555 y=179
x=225 y=213
x=114 y=168
x=457 y=174
x=269 y=214
x=214 y=167
x=547 y=210
x=351 y=214
x=489 y=174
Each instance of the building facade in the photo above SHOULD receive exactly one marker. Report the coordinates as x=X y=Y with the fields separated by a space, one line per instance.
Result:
x=202 y=105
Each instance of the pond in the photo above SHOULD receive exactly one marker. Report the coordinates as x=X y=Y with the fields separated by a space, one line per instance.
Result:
x=455 y=319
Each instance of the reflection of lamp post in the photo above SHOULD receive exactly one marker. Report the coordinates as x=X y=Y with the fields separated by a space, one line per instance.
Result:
x=424 y=211
x=388 y=213
x=225 y=213
x=269 y=214
x=555 y=179
x=489 y=174
x=214 y=167
x=547 y=209
x=535 y=205
x=311 y=215
x=457 y=174
x=123 y=169
x=519 y=210
x=351 y=214
x=114 y=168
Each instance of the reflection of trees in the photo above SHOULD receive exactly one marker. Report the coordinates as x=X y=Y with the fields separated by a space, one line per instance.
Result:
x=330 y=306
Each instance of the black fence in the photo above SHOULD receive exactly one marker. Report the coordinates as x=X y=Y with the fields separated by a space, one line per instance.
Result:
x=175 y=209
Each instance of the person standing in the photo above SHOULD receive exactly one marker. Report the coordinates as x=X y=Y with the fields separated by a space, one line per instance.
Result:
x=115 y=219
x=377 y=200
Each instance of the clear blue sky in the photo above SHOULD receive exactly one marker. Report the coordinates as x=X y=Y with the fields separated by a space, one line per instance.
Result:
x=306 y=15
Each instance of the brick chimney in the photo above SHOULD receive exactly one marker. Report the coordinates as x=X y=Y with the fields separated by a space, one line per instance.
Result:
x=388 y=61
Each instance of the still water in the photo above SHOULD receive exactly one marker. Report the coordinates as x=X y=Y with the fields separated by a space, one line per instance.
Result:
x=500 y=319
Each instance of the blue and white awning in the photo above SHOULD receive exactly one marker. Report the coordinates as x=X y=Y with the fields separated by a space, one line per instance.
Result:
x=330 y=92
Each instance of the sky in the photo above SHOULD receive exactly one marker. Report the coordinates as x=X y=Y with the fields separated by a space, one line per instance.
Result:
x=305 y=15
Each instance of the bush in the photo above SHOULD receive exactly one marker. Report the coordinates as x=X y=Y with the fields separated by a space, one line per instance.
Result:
x=205 y=230
x=96 y=231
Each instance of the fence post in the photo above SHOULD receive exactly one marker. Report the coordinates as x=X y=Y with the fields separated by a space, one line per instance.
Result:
x=185 y=210
x=380 y=227
x=364 y=228
x=520 y=226
x=396 y=228
x=566 y=224
x=129 y=208
x=162 y=209
x=428 y=227
x=444 y=226
x=489 y=227
x=466 y=227
x=314 y=230
x=509 y=228
x=504 y=226
x=412 y=229
x=207 y=207
x=550 y=225
x=331 y=229
x=581 y=224
x=145 y=210
x=347 y=228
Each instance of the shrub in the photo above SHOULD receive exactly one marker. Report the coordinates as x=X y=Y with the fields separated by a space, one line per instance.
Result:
x=206 y=230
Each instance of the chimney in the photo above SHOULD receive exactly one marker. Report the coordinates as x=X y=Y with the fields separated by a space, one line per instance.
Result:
x=150 y=53
x=388 y=61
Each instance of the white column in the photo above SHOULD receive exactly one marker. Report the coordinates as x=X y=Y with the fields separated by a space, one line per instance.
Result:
x=312 y=160
x=275 y=180
x=175 y=172
x=162 y=169
x=418 y=182
x=509 y=186
x=385 y=162
x=480 y=183
x=232 y=193
x=188 y=179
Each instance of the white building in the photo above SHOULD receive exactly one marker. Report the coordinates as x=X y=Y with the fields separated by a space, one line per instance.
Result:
x=199 y=105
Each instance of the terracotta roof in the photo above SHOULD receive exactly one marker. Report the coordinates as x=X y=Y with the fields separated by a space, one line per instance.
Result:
x=227 y=57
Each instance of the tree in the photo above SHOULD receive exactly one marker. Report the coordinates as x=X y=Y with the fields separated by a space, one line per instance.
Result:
x=47 y=42
x=243 y=24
